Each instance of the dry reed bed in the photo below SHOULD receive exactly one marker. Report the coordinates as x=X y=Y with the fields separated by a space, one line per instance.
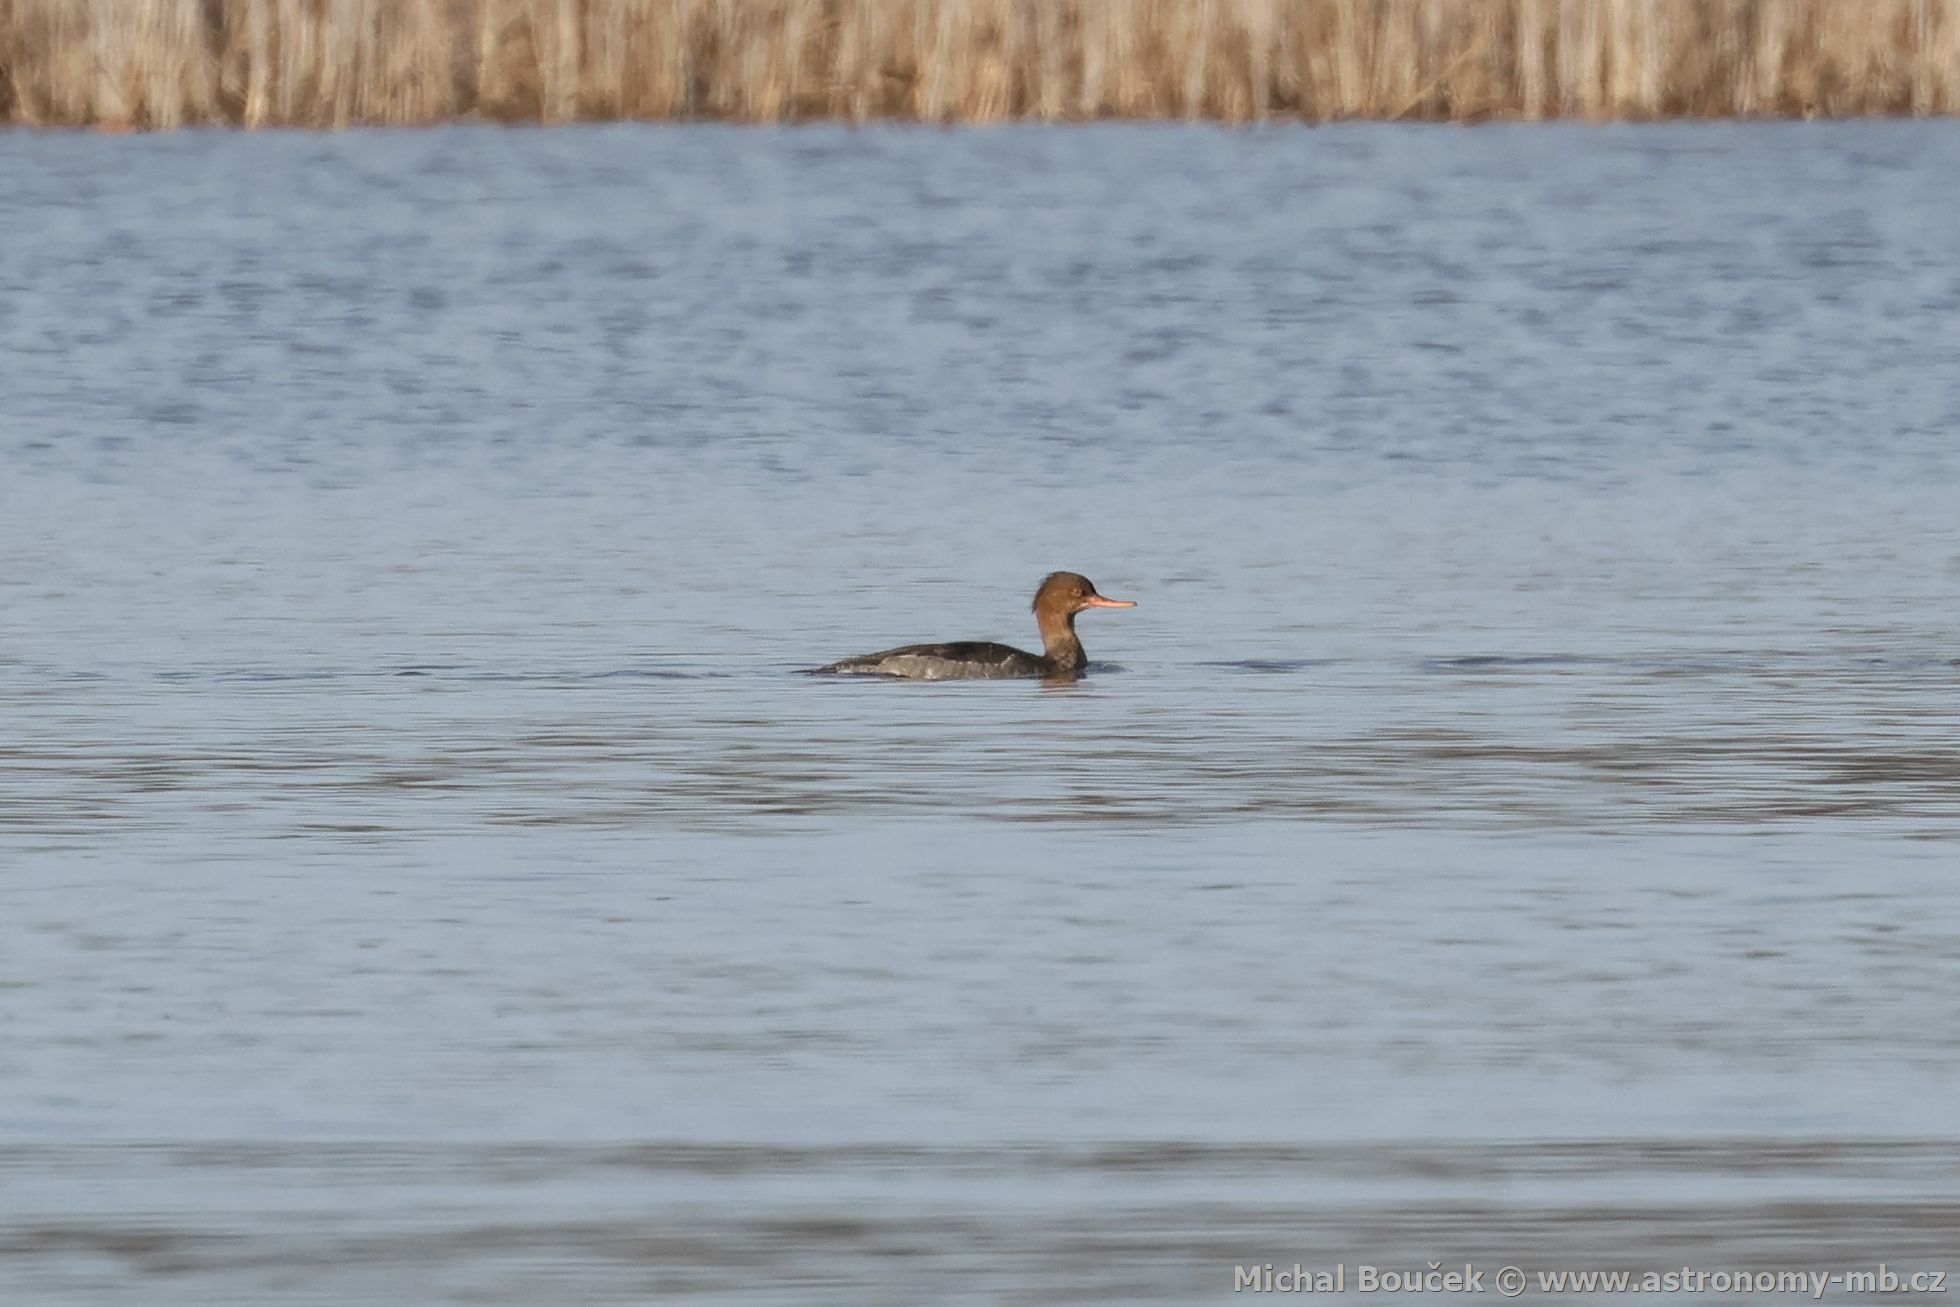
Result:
x=314 y=63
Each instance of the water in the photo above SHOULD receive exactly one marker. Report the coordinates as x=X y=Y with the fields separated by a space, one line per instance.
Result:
x=1518 y=823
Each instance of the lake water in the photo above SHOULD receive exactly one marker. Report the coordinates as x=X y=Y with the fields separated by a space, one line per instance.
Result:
x=1519 y=823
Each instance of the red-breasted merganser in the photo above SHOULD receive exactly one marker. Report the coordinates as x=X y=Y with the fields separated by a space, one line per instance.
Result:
x=1062 y=595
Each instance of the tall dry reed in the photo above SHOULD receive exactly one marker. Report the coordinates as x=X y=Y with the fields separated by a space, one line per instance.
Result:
x=318 y=63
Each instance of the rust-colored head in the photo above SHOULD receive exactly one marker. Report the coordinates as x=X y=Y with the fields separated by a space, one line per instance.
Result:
x=1064 y=594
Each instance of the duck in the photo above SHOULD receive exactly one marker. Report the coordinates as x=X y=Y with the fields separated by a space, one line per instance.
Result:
x=1059 y=598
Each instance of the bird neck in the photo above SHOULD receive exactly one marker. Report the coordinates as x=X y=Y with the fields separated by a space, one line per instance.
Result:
x=1059 y=641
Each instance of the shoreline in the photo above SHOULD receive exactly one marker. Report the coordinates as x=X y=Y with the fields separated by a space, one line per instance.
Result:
x=740 y=125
